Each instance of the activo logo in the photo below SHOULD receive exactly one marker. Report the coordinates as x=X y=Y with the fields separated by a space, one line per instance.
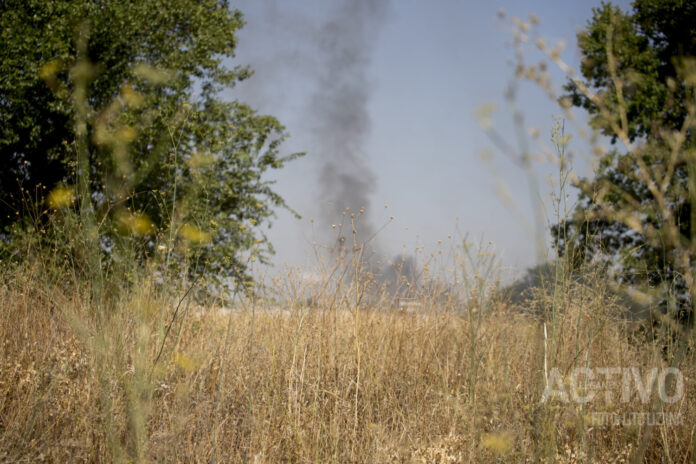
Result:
x=583 y=384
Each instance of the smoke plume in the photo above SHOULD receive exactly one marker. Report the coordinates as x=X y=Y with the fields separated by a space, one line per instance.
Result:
x=341 y=124
x=338 y=112
x=328 y=63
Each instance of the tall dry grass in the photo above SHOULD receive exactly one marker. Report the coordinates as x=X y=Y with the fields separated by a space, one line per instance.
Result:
x=326 y=383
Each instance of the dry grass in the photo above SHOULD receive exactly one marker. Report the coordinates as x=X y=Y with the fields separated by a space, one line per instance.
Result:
x=324 y=384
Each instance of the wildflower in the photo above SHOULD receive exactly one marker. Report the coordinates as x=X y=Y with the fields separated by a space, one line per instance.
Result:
x=134 y=223
x=184 y=362
x=60 y=197
x=48 y=71
x=127 y=134
x=131 y=97
x=194 y=234
x=499 y=443
x=151 y=74
x=200 y=160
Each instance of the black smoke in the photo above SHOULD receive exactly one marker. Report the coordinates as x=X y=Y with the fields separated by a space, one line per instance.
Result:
x=338 y=111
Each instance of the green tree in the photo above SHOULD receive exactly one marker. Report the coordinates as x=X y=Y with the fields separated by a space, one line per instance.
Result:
x=137 y=87
x=636 y=214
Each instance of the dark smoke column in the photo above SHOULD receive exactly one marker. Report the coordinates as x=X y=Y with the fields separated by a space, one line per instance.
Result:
x=338 y=111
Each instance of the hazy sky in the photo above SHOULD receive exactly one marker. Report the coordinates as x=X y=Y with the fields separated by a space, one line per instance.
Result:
x=404 y=79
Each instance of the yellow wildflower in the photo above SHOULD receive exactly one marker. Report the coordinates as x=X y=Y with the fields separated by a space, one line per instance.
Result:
x=194 y=234
x=499 y=443
x=60 y=197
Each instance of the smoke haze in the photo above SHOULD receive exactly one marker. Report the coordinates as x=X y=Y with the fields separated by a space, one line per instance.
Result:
x=325 y=64
x=338 y=111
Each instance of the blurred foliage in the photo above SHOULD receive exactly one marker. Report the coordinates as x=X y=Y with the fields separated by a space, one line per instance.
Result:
x=165 y=150
x=637 y=84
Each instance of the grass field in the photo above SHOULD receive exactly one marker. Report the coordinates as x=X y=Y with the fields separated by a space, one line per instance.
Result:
x=142 y=378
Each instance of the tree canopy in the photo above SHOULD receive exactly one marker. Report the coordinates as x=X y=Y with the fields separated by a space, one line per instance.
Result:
x=636 y=214
x=143 y=81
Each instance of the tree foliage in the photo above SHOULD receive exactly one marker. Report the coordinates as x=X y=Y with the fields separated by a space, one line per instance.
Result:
x=142 y=82
x=636 y=214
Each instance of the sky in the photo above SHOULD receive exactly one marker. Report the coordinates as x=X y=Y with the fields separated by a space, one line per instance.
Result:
x=383 y=98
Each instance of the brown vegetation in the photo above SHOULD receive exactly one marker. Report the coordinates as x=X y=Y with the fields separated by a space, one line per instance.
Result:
x=321 y=384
